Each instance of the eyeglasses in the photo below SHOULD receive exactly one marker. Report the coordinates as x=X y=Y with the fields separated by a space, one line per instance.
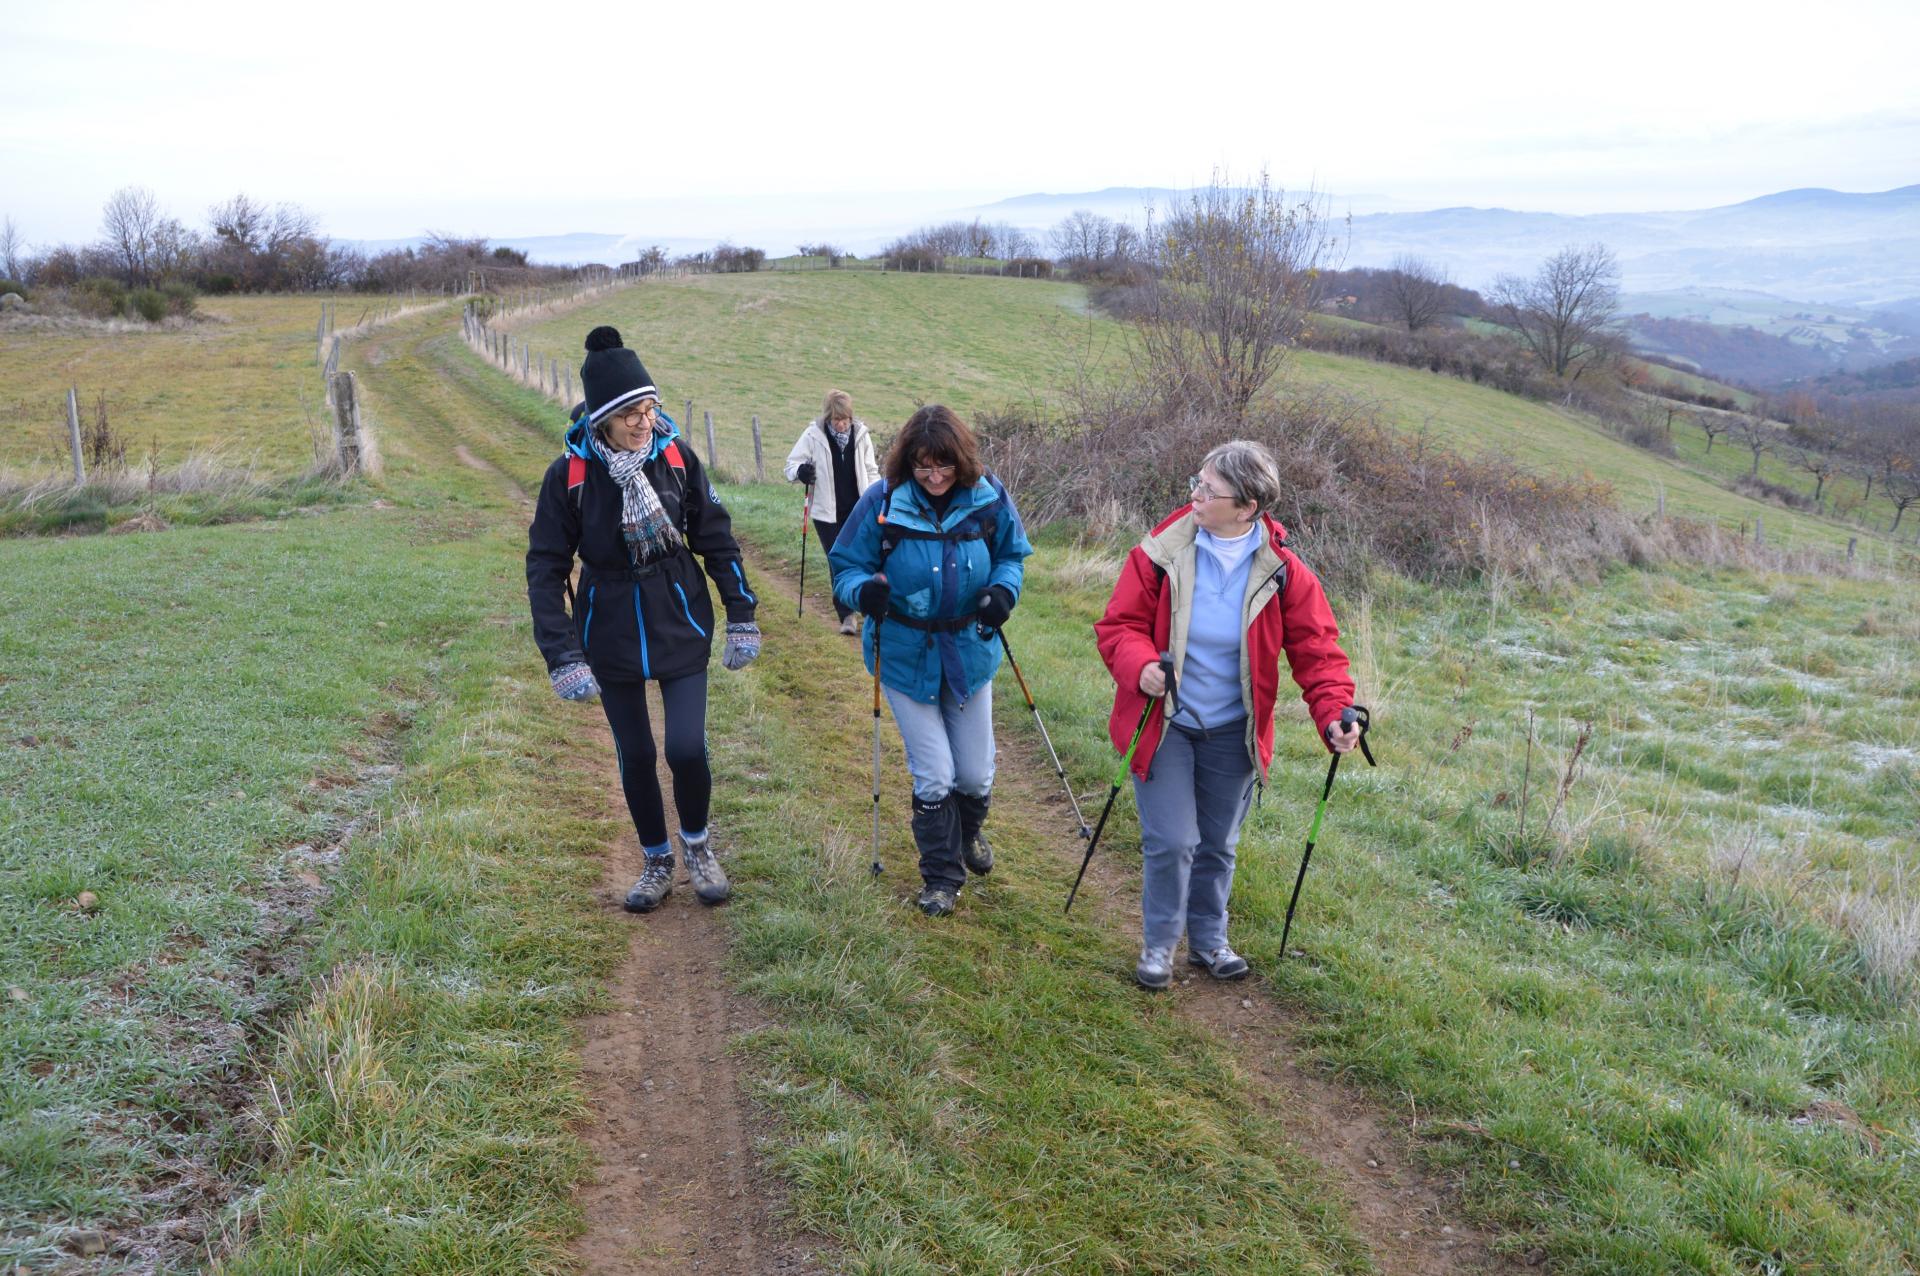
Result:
x=1200 y=490
x=635 y=415
x=931 y=471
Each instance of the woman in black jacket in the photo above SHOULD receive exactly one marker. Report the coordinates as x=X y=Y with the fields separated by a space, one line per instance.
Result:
x=632 y=501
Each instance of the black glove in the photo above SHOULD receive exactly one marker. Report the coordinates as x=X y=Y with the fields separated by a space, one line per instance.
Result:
x=995 y=605
x=805 y=473
x=874 y=596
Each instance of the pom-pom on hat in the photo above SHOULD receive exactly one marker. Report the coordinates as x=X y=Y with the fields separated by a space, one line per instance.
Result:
x=611 y=375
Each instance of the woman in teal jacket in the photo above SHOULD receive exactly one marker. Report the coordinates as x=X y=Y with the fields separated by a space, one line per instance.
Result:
x=932 y=557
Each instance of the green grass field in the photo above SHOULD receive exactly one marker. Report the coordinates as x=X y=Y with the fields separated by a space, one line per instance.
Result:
x=1669 y=1025
x=239 y=380
x=740 y=345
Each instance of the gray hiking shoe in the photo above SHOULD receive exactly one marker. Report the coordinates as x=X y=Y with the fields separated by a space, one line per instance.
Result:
x=1155 y=969
x=655 y=884
x=1221 y=962
x=710 y=884
x=937 y=901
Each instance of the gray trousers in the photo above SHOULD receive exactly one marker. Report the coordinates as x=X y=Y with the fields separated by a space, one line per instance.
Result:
x=1191 y=805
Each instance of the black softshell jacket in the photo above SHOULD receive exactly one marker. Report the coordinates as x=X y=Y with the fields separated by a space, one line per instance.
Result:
x=631 y=623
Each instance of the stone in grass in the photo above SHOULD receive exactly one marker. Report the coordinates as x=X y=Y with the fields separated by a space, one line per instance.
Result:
x=16 y=993
x=86 y=901
x=87 y=1244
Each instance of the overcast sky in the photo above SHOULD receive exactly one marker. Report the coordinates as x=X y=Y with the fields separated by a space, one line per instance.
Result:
x=389 y=119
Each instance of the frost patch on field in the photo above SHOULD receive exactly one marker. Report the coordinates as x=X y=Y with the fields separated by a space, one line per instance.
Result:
x=1814 y=685
x=1875 y=756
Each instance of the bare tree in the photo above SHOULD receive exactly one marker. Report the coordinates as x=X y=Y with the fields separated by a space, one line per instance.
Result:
x=979 y=239
x=239 y=221
x=1416 y=291
x=1082 y=235
x=1564 y=314
x=1899 y=483
x=12 y=250
x=128 y=220
x=1713 y=425
x=1758 y=436
x=1233 y=277
x=1015 y=242
x=1819 y=463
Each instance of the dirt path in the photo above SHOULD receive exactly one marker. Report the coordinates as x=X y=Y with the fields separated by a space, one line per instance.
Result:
x=1409 y=1217
x=473 y=462
x=678 y=1187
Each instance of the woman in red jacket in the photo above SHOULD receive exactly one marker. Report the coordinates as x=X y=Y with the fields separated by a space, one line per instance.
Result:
x=1215 y=587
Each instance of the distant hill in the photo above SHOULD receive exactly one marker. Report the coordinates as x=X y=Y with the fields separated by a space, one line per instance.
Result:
x=1814 y=245
x=1763 y=340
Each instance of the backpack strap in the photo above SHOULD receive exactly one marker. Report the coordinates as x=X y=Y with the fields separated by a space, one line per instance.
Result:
x=671 y=455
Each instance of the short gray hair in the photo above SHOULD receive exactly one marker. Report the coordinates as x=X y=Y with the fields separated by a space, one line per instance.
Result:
x=1248 y=469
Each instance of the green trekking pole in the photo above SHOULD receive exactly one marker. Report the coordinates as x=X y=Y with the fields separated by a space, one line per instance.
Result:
x=1348 y=716
x=1120 y=777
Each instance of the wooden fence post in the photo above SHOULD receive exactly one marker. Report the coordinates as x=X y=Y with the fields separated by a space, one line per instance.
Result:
x=1853 y=543
x=1759 y=532
x=73 y=432
x=569 y=373
x=759 y=466
x=713 y=460
x=346 y=423
x=687 y=416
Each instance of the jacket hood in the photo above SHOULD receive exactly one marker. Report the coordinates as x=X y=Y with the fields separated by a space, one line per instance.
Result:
x=983 y=493
x=577 y=444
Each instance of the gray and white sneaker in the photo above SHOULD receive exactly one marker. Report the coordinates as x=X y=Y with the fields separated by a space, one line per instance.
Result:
x=1155 y=969
x=710 y=884
x=1221 y=962
x=655 y=884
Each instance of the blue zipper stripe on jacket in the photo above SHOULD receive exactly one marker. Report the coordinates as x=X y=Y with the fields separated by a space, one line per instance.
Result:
x=742 y=576
x=588 y=627
x=688 y=610
x=640 y=623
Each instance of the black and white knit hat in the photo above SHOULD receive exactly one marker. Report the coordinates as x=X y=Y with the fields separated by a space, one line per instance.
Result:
x=611 y=375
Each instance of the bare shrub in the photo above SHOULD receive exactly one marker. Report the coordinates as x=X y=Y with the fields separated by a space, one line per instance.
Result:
x=1231 y=280
x=104 y=448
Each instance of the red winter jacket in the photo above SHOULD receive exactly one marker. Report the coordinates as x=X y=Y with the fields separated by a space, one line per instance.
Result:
x=1285 y=610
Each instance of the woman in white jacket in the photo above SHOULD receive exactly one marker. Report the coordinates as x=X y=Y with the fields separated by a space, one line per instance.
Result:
x=834 y=458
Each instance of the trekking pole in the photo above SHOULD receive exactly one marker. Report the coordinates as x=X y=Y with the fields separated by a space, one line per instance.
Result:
x=1119 y=778
x=806 y=516
x=1348 y=716
x=875 y=622
x=1058 y=770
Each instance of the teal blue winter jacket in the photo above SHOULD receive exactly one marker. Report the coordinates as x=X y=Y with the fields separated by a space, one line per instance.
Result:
x=938 y=570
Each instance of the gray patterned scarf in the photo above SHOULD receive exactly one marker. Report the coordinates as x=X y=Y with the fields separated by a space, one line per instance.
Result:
x=651 y=535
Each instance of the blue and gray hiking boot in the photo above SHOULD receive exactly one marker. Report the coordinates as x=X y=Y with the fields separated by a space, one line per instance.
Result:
x=655 y=884
x=1155 y=969
x=710 y=884
x=937 y=901
x=1221 y=962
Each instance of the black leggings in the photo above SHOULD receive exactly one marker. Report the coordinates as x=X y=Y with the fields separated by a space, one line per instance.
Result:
x=828 y=534
x=685 y=702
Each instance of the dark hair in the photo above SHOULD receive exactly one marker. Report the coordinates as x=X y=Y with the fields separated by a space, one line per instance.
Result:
x=937 y=433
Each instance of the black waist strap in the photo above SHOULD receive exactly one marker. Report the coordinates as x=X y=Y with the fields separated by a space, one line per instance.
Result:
x=948 y=625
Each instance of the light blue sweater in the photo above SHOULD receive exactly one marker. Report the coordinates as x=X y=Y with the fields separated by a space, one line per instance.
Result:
x=1210 y=678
